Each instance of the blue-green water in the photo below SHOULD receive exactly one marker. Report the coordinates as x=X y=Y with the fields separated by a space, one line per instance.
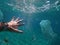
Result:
x=34 y=13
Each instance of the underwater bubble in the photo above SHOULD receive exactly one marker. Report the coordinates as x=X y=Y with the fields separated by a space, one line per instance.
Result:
x=47 y=1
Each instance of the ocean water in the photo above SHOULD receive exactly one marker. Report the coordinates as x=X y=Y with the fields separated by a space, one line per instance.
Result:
x=41 y=18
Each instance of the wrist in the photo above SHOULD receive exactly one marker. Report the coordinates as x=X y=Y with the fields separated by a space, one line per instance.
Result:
x=6 y=24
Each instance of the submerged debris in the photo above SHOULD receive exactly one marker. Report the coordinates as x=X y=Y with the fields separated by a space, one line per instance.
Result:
x=5 y=40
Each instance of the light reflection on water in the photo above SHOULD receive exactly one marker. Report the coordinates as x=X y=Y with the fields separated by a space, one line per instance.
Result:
x=30 y=7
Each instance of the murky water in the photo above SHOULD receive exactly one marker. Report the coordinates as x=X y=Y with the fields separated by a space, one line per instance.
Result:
x=41 y=18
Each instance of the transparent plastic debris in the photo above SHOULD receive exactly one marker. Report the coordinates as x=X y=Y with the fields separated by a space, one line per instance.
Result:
x=46 y=29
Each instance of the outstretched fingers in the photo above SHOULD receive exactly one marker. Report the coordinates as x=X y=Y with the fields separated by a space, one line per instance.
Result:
x=16 y=30
x=20 y=20
x=13 y=18
x=20 y=24
x=17 y=19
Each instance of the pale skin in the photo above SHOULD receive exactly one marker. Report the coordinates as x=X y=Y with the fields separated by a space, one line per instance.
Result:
x=14 y=23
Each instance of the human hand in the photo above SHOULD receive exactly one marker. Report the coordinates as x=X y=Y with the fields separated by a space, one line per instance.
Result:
x=14 y=23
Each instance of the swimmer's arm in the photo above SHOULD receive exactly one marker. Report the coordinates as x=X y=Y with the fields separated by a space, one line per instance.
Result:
x=0 y=24
x=3 y=24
